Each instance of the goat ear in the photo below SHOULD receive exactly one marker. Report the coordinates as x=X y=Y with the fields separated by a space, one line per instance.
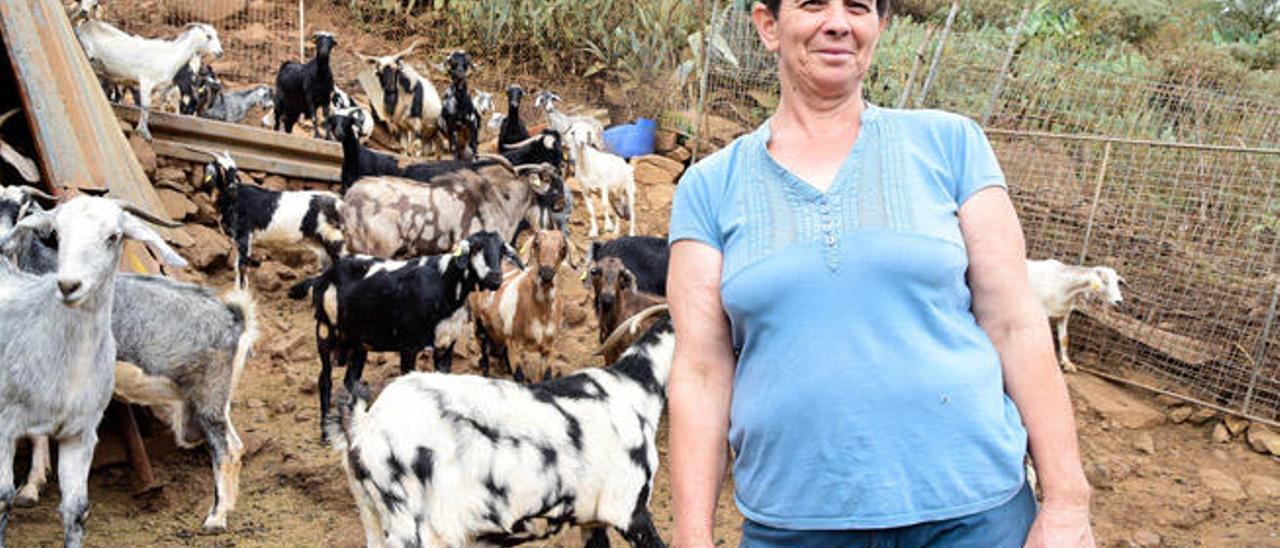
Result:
x=39 y=221
x=134 y=229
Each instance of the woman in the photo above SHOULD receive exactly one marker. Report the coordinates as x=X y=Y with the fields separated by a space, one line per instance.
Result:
x=853 y=317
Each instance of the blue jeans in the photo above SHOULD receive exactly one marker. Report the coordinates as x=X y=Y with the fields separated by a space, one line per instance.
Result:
x=1004 y=526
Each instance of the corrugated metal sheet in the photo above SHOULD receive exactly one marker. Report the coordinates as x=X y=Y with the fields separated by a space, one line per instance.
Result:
x=78 y=138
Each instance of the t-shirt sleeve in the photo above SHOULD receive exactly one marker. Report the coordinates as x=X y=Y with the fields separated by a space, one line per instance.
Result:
x=694 y=211
x=974 y=163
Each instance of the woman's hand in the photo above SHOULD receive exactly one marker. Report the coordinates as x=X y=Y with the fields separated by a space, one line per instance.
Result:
x=1064 y=525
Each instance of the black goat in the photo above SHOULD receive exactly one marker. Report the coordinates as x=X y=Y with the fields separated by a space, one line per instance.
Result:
x=357 y=160
x=645 y=256
x=367 y=304
x=458 y=113
x=513 y=130
x=303 y=88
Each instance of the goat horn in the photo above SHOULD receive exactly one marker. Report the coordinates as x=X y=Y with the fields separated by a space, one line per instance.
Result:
x=630 y=325
x=32 y=191
x=5 y=117
x=407 y=50
x=139 y=213
x=500 y=160
x=199 y=150
x=510 y=146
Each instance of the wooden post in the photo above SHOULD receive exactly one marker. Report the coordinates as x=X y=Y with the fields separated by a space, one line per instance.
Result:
x=1093 y=208
x=915 y=68
x=1260 y=350
x=701 y=115
x=133 y=446
x=998 y=88
x=302 y=31
x=937 y=53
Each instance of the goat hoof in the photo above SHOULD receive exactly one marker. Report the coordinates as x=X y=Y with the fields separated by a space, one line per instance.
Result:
x=25 y=501
x=1069 y=367
x=215 y=526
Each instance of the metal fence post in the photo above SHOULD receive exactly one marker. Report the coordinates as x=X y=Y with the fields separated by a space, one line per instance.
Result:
x=998 y=88
x=302 y=31
x=937 y=53
x=1097 y=194
x=1260 y=350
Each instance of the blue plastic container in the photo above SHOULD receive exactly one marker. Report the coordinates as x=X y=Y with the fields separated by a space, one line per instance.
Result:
x=627 y=140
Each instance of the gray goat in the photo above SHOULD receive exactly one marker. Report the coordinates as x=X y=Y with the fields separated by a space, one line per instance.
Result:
x=179 y=347
x=232 y=106
x=56 y=351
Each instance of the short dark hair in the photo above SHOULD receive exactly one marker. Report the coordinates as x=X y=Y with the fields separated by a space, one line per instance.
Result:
x=882 y=7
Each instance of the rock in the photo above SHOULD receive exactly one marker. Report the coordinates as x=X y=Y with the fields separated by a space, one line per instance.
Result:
x=1222 y=486
x=1263 y=440
x=574 y=316
x=1168 y=400
x=254 y=33
x=656 y=170
x=255 y=404
x=1220 y=434
x=1180 y=415
x=1203 y=415
x=1099 y=476
x=274 y=182
x=1261 y=487
x=206 y=211
x=145 y=154
x=1144 y=538
x=171 y=174
x=665 y=141
x=176 y=204
x=1235 y=424
x=1114 y=403
x=210 y=250
x=680 y=154
x=1144 y=443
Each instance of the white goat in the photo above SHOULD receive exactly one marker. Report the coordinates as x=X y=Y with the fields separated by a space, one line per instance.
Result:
x=602 y=172
x=57 y=350
x=1062 y=288
x=563 y=123
x=461 y=460
x=150 y=64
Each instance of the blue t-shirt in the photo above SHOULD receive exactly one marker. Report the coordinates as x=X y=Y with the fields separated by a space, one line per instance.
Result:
x=865 y=393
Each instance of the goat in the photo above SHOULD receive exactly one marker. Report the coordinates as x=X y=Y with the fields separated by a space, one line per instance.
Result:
x=616 y=297
x=458 y=116
x=25 y=167
x=593 y=129
x=604 y=173
x=357 y=160
x=194 y=87
x=646 y=257
x=57 y=345
x=180 y=347
x=1062 y=288
x=393 y=217
x=128 y=60
x=191 y=363
x=459 y=460
x=525 y=311
x=483 y=102
x=410 y=102
x=342 y=103
x=232 y=107
x=251 y=214
x=301 y=89
x=364 y=303
x=513 y=130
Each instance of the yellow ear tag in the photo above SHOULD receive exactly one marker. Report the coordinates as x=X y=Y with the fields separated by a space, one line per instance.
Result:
x=524 y=250
x=583 y=277
x=457 y=251
x=208 y=178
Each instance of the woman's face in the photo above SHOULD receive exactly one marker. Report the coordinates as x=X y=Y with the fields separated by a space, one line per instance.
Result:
x=824 y=46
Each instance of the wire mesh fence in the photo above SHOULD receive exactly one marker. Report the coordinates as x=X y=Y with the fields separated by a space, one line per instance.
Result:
x=1173 y=180
x=256 y=35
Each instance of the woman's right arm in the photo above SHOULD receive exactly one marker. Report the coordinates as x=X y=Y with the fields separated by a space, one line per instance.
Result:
x=699 y=390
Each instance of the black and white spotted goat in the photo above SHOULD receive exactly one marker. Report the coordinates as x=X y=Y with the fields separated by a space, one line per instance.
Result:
x=461 y=460
x=458 y=117
x=364 y=303
x=252 y=215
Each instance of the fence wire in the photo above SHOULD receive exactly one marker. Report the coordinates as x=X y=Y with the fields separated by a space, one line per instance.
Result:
x=1174 y=182
x=256 y=35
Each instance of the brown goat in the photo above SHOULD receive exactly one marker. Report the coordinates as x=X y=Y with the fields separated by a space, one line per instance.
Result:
x=525 y=311
x=616 y=298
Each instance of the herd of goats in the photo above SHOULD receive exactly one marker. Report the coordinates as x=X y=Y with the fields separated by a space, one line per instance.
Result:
x=409 y=257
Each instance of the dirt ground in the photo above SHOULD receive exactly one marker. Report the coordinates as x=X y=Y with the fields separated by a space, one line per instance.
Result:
x=1156 y=482
x=1152 y=477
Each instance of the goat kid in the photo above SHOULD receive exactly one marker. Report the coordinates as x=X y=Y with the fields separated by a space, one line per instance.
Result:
x=525 y=312
x=1062 y=288
x=57 y=348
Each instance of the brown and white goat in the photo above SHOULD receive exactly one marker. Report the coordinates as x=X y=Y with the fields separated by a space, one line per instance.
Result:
x=617 y=298
x=525 y=312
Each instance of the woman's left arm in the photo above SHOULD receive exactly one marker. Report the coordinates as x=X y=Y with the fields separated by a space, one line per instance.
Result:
x=1008 y=311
